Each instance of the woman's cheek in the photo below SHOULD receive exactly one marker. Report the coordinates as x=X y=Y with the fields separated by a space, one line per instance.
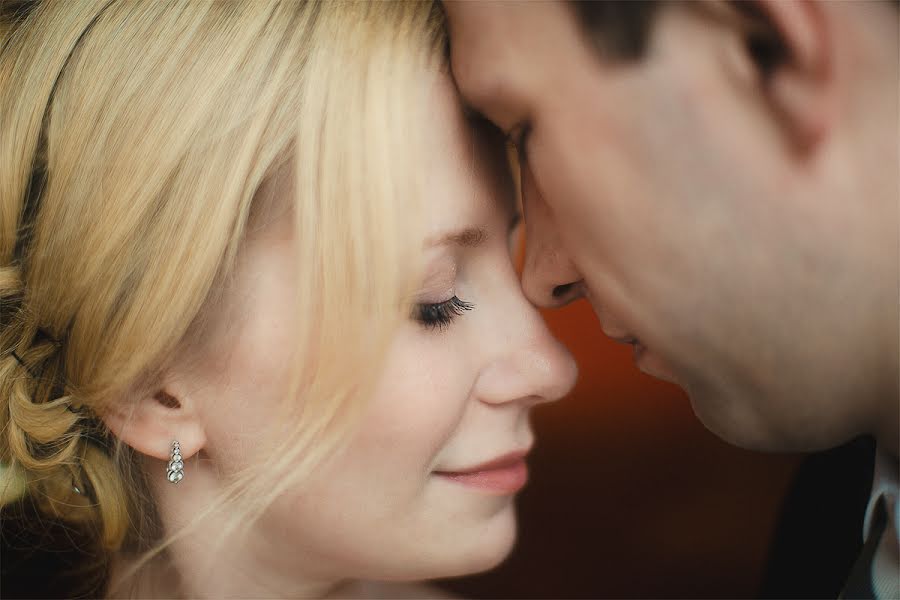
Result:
x=421 y=397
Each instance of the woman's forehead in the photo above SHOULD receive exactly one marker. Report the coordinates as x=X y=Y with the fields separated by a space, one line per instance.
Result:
x=465 y=167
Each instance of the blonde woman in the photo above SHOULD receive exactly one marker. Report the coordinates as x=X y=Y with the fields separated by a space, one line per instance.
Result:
x=261 y=334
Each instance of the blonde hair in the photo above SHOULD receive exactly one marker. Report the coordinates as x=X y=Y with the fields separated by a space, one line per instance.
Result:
x=135 y=137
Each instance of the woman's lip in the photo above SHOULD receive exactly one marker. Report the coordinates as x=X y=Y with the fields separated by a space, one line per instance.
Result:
x=501 y=461
x=507 y=479
x=506 y=474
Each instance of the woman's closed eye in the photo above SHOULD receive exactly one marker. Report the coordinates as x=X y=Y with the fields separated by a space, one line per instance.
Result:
x=441 y=314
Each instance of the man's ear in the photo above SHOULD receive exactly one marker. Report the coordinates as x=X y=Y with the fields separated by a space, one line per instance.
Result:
x=796 y=61
x=153 y=418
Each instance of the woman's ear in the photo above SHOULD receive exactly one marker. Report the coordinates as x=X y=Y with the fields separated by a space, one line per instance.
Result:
x=157 y=416
x=796 y=61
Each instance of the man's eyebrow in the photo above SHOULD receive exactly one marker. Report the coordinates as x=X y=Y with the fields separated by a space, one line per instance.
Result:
x=465 y=238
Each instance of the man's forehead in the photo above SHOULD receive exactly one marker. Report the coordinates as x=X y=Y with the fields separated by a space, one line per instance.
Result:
x=482 y=38
x=501 y=15
x=496 y=28
x=495 y=46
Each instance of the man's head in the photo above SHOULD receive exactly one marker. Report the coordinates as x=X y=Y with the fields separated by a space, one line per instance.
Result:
x=721 y=182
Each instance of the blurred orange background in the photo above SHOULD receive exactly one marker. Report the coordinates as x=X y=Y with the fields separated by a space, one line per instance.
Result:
x=629 y=495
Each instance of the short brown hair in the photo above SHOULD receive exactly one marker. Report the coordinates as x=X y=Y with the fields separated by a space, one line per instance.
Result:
x=621 y=29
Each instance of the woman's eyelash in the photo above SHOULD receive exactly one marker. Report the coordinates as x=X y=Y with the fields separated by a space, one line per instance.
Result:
x=438 y=316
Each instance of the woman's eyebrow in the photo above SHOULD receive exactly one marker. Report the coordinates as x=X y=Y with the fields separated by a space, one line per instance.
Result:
x=470 y=237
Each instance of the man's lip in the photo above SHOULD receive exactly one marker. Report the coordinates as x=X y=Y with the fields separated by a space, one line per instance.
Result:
x=501 y=462
x=643 y=359
x=625 y=339
x=637 y=350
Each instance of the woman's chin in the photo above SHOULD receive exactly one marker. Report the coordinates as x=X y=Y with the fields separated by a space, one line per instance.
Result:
x=486 y=548
x=492 y=559
x=470 y=550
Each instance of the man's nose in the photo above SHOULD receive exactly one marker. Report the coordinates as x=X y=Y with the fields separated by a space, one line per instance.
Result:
x=549 y=278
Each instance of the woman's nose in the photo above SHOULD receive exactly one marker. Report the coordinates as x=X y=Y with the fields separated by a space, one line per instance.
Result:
x=532 y=368
x=549 y=278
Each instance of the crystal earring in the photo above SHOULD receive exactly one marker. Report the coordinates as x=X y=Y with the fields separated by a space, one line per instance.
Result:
x=175 y=470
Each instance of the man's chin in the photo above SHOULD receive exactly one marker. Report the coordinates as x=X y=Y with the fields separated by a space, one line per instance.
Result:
x=729 y=417
x=730 y=430
x=733 y=420
x=652 y=364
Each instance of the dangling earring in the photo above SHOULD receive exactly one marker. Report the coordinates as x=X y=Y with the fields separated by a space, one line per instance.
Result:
x=175 y=470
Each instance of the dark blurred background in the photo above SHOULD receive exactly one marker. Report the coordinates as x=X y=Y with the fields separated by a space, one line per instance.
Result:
x=630 y=497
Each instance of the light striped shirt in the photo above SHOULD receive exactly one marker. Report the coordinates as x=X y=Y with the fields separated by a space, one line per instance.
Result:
x=886 y=561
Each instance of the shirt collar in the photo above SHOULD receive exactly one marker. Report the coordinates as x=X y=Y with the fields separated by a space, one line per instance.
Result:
x=884 y=485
